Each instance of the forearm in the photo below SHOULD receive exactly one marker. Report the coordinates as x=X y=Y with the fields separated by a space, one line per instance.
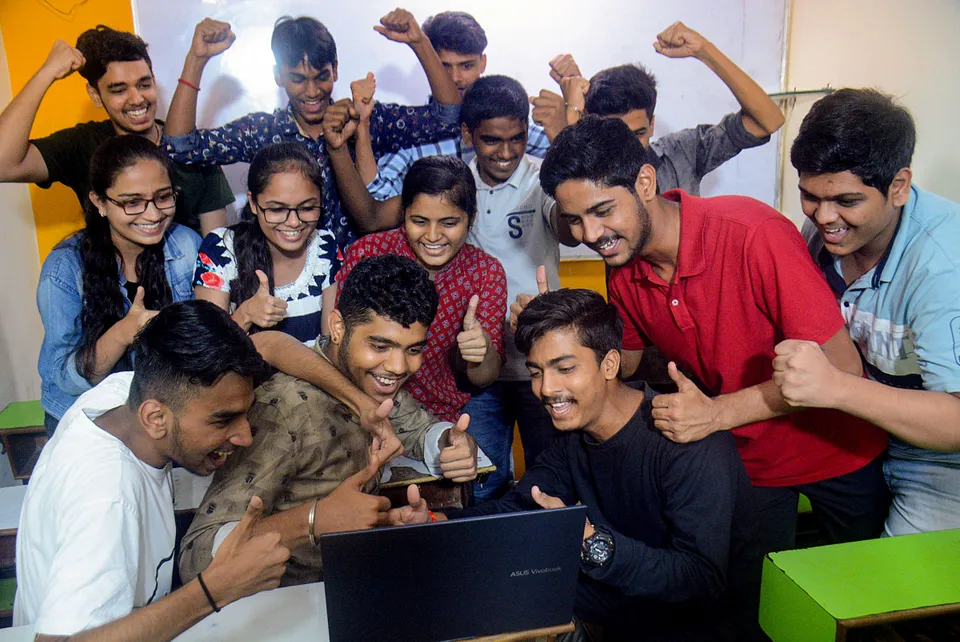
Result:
x=441 y=85
x=923 y=418
x=752 y=98
x=16 y=122
x=756 y=403
x=182 y=115
x=484 y=373
x=292 y=525
x=369 y=214
x=287 y=354
x=366 y=161
x=110 y=348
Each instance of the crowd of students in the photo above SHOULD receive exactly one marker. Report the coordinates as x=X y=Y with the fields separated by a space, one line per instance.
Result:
x=398 y=267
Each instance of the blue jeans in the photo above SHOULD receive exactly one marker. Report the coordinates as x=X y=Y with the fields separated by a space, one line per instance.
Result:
x=926 y=495
x=489 y=427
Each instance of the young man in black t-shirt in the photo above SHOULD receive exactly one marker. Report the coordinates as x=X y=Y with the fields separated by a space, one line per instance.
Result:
x=668 y=544
x=119 y=79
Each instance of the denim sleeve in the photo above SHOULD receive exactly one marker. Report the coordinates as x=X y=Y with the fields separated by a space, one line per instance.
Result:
x=699 y=150
x=60 y=301
x=235 y=142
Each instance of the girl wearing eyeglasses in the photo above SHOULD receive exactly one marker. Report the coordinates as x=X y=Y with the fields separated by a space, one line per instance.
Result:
x=274 y=269
x=101 y=285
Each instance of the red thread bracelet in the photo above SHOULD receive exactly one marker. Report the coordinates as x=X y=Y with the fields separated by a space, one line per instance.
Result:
x=433 y=517
x=187 y=83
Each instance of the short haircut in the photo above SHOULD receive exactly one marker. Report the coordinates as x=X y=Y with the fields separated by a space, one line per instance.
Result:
x=600 y=150
x=618 y=90
x=390 y=286
x=858 y=130
x=296 y=39
x=102 y=45
x=456 y=31
x=446 y=176
x=597 y=323
x=494 y=97
x=188 y=345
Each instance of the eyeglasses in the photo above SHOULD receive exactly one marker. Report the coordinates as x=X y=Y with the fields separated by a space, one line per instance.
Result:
x=133 y=207
x=277 y=215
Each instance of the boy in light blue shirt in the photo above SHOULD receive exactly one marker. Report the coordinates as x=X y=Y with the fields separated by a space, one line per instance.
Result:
x=888 y=249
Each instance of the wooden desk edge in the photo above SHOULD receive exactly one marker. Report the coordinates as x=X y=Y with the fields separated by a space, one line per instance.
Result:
x=845 y=626
x=526 y=635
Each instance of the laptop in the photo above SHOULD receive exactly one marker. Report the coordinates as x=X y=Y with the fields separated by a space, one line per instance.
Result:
x=453 y=579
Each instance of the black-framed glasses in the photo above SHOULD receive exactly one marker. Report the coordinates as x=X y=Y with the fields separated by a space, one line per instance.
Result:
x=277 y=215
x=135 y=206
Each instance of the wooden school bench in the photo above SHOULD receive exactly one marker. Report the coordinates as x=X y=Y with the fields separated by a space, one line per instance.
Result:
x=23 y=435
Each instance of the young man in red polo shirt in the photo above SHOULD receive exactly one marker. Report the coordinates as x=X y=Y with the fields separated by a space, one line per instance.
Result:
x=716 y=283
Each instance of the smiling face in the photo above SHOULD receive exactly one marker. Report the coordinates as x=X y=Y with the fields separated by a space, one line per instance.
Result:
x=568 y=380
x=378 y=356
x=146 y=180
x=308 y=89
x=851 y=217
x=500 y=143
x=128 y=93
x=612 y=221
x=287 y=190
x=463 y=69
x=436 y=229
x=212 y=425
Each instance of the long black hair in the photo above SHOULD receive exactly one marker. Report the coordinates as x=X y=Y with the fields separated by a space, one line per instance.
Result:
x=103 y=301
x=250 y=246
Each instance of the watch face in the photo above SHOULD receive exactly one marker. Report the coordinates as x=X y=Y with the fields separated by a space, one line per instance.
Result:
x=599 y=550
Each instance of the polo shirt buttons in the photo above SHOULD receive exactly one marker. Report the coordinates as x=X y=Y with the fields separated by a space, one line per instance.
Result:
x=675 y=302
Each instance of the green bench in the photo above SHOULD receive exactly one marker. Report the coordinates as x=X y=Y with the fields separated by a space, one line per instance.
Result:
x=23 y=435
x=830 y=593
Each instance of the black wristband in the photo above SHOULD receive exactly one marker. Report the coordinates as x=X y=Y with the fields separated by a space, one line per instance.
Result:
x=206 y=592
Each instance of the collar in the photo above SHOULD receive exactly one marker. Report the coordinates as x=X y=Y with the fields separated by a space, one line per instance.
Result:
x=691 y=260
x=515 y=181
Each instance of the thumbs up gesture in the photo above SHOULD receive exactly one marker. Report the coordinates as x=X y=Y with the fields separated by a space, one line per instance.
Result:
x=246 y=563
x=137 y=316
x=349 y=507
x=458 y=454
x=523 y=300
x=262 y=309
x=473 y=342
x=415 y=512
x=687 y=415
x=363 y=91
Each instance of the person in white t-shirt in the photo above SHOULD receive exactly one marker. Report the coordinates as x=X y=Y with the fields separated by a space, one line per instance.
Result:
x=96 y=540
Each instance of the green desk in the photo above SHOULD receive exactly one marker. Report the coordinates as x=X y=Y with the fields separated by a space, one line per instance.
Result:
x=822 y=594
x=23 y=435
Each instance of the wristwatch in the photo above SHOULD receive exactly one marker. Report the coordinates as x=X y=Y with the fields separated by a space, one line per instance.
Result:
x=598 y=548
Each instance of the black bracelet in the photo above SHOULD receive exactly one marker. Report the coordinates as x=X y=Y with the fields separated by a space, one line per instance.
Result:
x=206 y=592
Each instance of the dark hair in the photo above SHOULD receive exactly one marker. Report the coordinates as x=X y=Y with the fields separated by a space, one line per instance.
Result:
x=389 y=286
x=250 y=246
x=618 y=90
x=493 y=97
x=190 y=343
x=103 y=300
x=297 y=38
x=456 y=31
x=858 y=130
x=446 y=176
x=102 y=45
x=600 y=150
x=597 y=323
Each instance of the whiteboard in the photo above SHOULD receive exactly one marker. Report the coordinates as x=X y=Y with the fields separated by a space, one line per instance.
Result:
x=523 y=36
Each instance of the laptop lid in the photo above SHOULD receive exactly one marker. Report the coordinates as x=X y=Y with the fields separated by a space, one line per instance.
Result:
x=453 y=579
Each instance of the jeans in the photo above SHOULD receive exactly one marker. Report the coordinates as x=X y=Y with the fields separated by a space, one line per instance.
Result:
x=851 y=507
x=49 y=424
x=926 y=495
x=494 y=436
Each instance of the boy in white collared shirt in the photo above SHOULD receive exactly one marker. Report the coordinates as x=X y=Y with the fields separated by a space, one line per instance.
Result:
x=516 y=223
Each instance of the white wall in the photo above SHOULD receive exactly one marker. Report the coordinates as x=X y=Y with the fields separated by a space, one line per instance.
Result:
x=910 y=51
x=20 y=329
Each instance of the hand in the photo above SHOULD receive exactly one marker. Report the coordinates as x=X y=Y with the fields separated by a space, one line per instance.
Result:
x=523 y=300
x=63 y=60
x=246 y=564
x=138 y=315
x=544 y=500
x=564 y=66
x=550 y=112
x=211 y=38
x=400 y=26
x=458 y=459
x=473 y=342
x=374 y=419
x=340 y=123
x=415 y=512
x=805 y=376
x=679 y=41
x=263 y=309
x=348 y=507
x=363 y=91
x=686 y=416
x=575 y=90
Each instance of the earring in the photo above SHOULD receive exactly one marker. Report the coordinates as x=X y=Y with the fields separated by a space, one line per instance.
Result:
x=103 y=214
